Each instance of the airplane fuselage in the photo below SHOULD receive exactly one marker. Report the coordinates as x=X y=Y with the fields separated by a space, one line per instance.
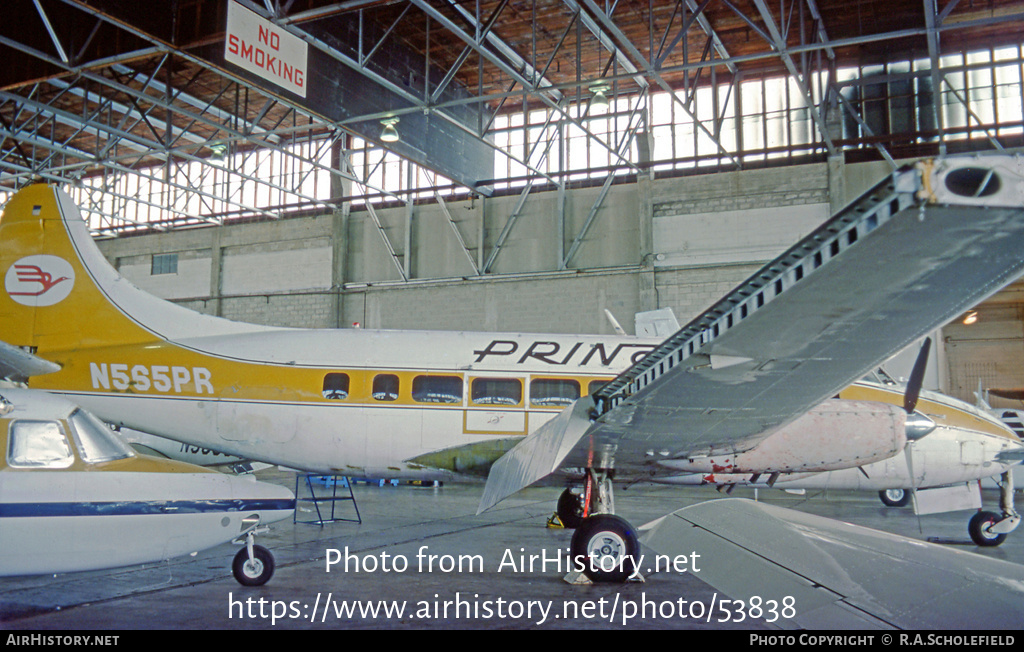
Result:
x=373 y=403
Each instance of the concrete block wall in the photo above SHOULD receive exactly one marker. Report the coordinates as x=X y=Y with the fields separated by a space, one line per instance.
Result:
x=737 y=217
x=709 y=233
x=559 y=303
x=306 y=310
x=191 y=280
x=691 y=291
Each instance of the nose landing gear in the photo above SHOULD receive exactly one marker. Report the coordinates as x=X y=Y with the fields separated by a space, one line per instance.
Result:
x=253 y=565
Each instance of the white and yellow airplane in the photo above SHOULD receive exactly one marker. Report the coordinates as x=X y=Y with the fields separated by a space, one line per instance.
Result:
x=74 y=496
x=965 y=445
x=760 y=366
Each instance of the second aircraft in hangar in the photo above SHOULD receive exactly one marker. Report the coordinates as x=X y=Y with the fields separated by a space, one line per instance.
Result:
x=74 y=496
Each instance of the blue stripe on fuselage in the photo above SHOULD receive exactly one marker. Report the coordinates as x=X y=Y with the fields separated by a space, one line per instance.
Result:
x=135 y=508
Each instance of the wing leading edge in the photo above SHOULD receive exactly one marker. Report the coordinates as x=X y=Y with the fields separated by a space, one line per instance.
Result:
x=905 y=258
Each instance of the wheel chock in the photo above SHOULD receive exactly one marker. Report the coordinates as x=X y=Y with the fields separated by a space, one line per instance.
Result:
x=555 y=523
x=578 y=578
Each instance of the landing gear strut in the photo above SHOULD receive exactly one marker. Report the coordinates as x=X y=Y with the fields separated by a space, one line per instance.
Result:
x=604 y=546
x=570 y=509
x=989 y=528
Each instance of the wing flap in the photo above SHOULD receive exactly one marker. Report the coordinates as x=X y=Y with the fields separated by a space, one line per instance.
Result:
x=839 y=576
x=537 y=455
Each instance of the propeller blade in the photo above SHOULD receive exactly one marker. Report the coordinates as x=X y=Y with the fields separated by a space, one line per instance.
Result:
x=1014 y=394
x=917 y=377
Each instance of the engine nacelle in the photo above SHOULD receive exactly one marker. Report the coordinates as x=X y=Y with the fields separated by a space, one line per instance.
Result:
x=838 y=434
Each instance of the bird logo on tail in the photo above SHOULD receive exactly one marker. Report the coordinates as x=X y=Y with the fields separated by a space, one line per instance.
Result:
x=39 y=280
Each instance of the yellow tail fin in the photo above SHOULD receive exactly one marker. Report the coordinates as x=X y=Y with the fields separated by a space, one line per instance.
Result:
x=51 y=301
x=61 y=294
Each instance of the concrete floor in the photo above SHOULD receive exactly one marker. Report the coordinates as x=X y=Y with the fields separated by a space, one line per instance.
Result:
x=198 y=593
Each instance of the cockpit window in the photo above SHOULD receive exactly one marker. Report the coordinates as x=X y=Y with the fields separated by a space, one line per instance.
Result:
x=38 y=445
x=96 y=442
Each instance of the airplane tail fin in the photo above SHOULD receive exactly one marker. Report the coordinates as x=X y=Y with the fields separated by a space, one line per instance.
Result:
x=61 y=294
x=50 y=300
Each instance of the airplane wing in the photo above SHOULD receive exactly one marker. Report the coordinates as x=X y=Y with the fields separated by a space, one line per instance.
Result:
x=824 y=574
x=18 y=365
x=907 y=257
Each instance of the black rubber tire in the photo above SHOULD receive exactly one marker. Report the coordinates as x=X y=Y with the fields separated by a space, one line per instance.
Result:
x=890 y=501
x=977 y=526
x=256 y=574
x=570 y=509
x=614 y=544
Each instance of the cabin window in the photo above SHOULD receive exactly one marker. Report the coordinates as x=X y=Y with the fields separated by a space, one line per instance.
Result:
x=96 y=442
x=38 y=445
x=496 y=391
x=553 y=392
x=595 y=385
x=336 y=386
x=385 y=387
x=437 y=389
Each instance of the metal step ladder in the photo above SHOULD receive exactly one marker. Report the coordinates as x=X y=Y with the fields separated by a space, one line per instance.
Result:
x=307 y=480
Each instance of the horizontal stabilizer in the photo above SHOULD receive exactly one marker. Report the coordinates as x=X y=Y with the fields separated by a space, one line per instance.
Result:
x=824 y=574
x=655 y=323
x=537 y=455
x=19 y=365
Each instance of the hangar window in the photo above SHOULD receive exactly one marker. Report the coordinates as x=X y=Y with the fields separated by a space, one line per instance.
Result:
x=336 y=386
x=164 y=264
x=38 y=445
x=437 y=389
x=96 y=442
x=553 y=392
x=385 y=387
x=496 y=391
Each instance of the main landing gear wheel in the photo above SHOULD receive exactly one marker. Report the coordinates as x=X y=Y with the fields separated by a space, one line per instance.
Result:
x=570 y=509
x=895 y=497
x=978 y=527
x=607 y=546
x=254 y=572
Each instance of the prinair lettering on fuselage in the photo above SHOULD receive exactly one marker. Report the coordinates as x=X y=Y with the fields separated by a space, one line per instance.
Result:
x=144 y=378
x=552 y=352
